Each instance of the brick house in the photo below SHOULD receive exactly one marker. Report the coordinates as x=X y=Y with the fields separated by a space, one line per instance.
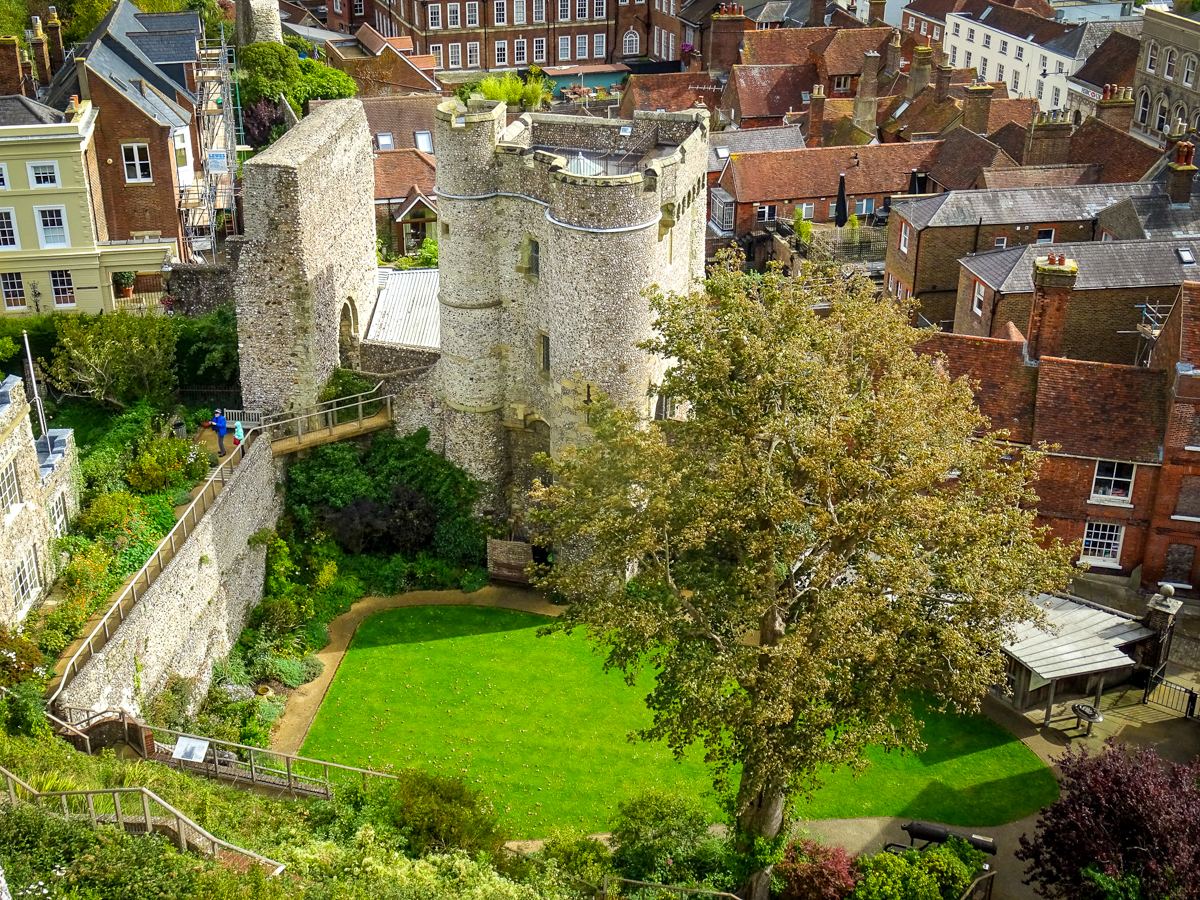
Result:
x=138 y=70
x=669 y=92
x=1113 y=63
x=758 y=188
x=383 y=66
x=928 y=235
x=1123 y=477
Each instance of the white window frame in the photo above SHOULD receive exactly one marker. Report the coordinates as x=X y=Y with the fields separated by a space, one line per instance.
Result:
x=539 y=49
x=1189 y=71
x=1004 y=48
x=360 y=7
x=26 y=581
x=58 y=514
x=500 y=53
x=599 y=9
x=500 y=11
x=1107 y=488
x=520 y=56
x=599 y=48
x=5 y=184
x=1049 y=240
x=473 y=54
x=1107 y=538
x=631 y=37
x=564 y=10
x=766 y=212
x=977 y=298
x=539 y=11
x=10 y=486
x=453 y=16
x=924 y=27
x=904 y=236
x=582 y=8
x=37 y=218
x=1055 y=97
x=19 y=285
x=435 y=50
x=435 y=16
x=1000 y=243
x=423 y=141
x=807 y=211
x=385 y=141
x=454 y=56
x=1016 y=79
x=866 y=205
x=33 y=185
x=581 y=46
x=937 y=33
x=518 y=12
x=12 y=217
x=658 y=42
x=970 y=35
x=987 y=39
x=1019 y=52
x=54 y=295
x=723 y=211
x=564 y=43
x=956 y=29
x=472 y=12
x=841 y=82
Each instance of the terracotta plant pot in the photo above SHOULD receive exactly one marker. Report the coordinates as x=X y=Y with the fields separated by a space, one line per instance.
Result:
x=127 y=291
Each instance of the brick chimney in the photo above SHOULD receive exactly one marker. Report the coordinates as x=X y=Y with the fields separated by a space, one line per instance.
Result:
x=1181 y=173
x=28 y=81
x=54 y=30
x=816 y=14
x=41 y=52
x=875 y=10
x=922 y=70
x=729 y=25
x=865 y=101
x=977 y=105
x=10 y=66
x=1115 y=107
x=816 y=115
x=1053 y=283
x=893 y=54
x=941 y=83
x=1049 y=139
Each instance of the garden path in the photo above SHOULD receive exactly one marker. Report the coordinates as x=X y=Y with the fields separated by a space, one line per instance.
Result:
x=304 y=702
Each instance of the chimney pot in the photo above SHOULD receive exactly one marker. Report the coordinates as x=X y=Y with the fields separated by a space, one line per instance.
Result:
x=1053 y=283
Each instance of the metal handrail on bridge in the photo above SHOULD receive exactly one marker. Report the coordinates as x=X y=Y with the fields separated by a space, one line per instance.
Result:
x=159 y=559
x=327 y=415
x=187 y=832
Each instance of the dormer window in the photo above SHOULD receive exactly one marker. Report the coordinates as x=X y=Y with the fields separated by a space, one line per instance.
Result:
x=423 y=141
x=841 y=82
x=384 y=140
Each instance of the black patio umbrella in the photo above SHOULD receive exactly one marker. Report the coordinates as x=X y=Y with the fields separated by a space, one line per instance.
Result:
x=840 y=214
x=912 y=183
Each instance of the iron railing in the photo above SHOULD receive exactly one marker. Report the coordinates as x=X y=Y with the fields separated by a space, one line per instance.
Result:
x=981 y=887
x=137 y=810
x=1175 y=697
x=153 y=567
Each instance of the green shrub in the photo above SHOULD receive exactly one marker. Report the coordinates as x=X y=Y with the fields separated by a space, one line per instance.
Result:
x=578 y=855
x=23 y=711
x=436 y=813
x=473 y=579
x=289 y=671
x=313 y=668
x=344 y=383
x=103 y=470
x=888 y=877
x=112 y=514
x=20 y=658
x=316 y=635
x=655 y=826
x=167 y=462
x=169 y=707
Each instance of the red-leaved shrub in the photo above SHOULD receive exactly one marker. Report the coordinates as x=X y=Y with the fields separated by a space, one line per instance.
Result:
x=813 y=871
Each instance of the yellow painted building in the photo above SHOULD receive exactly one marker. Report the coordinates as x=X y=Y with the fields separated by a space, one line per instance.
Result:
x=54 y=249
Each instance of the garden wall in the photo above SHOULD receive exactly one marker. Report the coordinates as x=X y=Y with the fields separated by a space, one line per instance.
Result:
x=195 y=610
x=201 y=288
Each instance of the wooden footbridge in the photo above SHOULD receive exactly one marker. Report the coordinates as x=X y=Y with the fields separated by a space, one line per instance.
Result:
x=334 y=420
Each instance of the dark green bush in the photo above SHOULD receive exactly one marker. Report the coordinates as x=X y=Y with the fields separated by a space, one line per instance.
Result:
x=20 y=658
x=653 y=827
x=580 y=856
x=23 y=711
x=436 y=813
x=206 y=350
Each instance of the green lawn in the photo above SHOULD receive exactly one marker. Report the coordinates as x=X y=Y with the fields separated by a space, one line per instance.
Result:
x=537 y=725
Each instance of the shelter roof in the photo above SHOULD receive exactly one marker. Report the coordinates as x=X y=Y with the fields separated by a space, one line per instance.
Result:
x=1079 y=638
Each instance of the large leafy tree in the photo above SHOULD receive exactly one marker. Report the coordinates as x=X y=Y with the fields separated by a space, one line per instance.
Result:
x=1127 y=824
x=114 y=358
x=831 y=528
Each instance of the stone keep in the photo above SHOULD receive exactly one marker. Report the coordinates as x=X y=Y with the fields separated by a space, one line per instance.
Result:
x=258 y=20
x=550 y=229
x=307 y=271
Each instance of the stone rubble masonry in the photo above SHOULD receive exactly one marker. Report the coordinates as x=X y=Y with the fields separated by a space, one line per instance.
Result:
x=306 y=274
x=257 y=21
x=201 y=288
x=39 y=484
x=197 y=607
x=602 y=241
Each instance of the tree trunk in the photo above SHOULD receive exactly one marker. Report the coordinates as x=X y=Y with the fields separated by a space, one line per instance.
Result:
x=761 y=816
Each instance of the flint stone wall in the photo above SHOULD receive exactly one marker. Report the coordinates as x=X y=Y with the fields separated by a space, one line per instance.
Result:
x=195 y=610
x=258 y=20
x=307 y=262
x=200 y=288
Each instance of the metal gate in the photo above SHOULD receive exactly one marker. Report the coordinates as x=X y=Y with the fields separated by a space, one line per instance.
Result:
x=1175 y=697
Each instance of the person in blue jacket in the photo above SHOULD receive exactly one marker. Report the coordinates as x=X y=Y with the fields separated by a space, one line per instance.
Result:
x=218 y=424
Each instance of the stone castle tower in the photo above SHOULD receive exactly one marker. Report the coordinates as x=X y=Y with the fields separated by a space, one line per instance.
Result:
x=550 y=229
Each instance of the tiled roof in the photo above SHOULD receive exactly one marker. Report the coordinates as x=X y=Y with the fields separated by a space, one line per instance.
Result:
x=18 y=110
x=426 y=62
x=171 y=20
x=1020 y=23
x=167 y=46
x=1160 y=219
x=783 y=174
x=373 y=42
x=1002 y=112
x=771 y=90
x=401 y=117
x=1012 y=139
x=843 y=51
x=1101 y=410
x=673 y=92
x=1041 y=176
x=1051 y=204
x=961 y=79
x=964 y=156
x=938 y=9
x=1123 y=156
x=781 y=46
x=773 y=11
x=401 y=44
x=1007 y=387
x=1083 y=40
x=751 y=140
x=1102 y=265
x=399 y=171
x=923 y=114
x=1114 y=62
x=844 y=133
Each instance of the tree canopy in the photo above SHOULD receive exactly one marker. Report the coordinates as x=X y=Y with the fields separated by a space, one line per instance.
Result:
x=114 y=358
x=829 y=529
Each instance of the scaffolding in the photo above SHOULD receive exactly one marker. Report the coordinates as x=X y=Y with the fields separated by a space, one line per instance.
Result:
x=1154 y=316
x=208 y=205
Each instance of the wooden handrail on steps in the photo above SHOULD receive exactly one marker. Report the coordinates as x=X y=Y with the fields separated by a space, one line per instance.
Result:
x=187 y=832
